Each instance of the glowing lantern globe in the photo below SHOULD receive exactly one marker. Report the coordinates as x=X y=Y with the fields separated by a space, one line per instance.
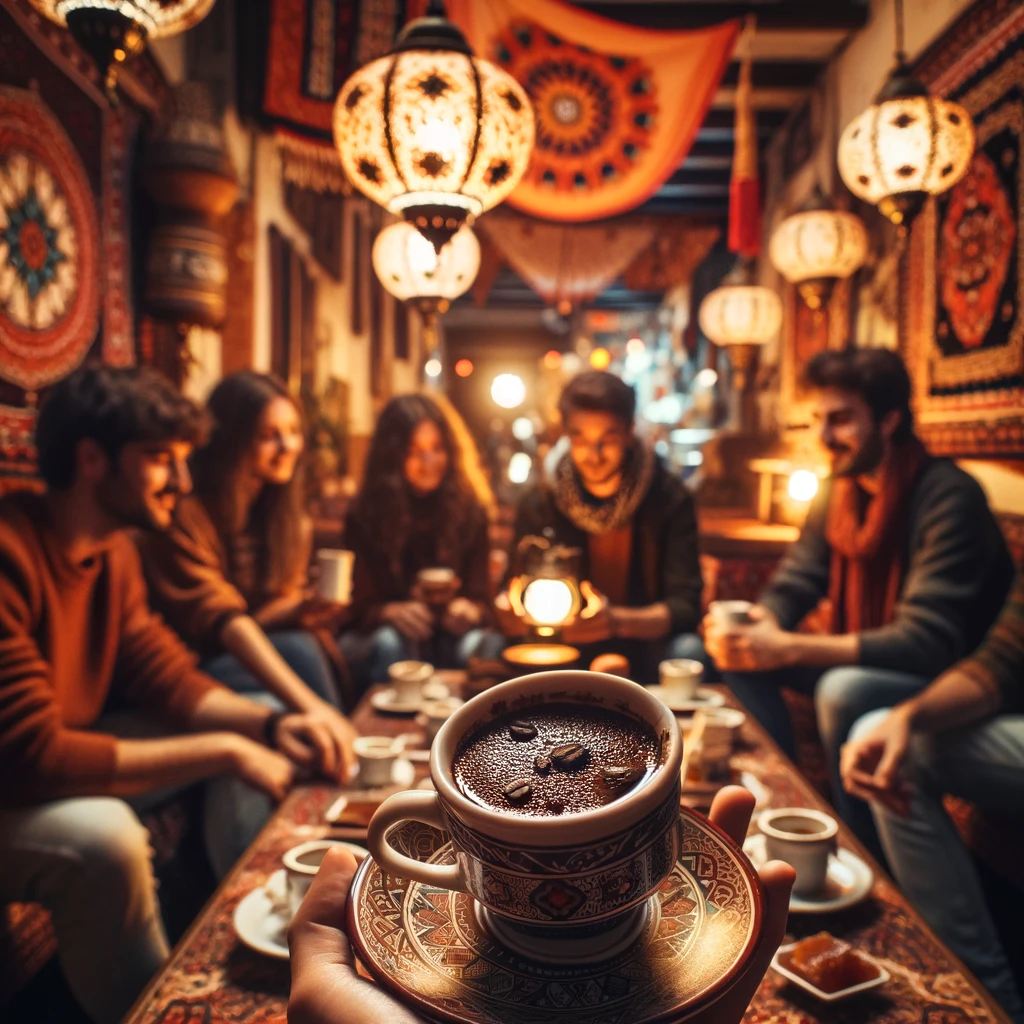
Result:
x=816 y=247
x=411 y=270
x=906 y=146
x=111 y=31
x=432 y=132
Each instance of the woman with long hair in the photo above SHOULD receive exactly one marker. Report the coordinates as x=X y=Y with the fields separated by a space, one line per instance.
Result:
x=230 y=574
x=424 y=504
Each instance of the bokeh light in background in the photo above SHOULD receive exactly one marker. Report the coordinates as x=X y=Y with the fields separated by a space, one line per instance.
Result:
x=519 y=467
x=508 y=390
x=706 y=378
x=803 y=485
x=548 y=602
x=552 y=360
x=635 y=346
x=433 y=368
x=522 y=428
x=600 y=359
x=464 y=367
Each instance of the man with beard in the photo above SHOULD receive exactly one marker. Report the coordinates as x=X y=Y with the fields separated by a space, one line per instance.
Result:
x=904 y=546
x=77 y=638
x=605 y=493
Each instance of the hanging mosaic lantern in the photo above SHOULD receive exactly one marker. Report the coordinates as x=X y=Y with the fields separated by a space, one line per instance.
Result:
x=431 y=132
x=817 y=246
x=111 y=31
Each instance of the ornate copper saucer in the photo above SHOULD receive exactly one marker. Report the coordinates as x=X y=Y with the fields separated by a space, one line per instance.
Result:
x=429 y=947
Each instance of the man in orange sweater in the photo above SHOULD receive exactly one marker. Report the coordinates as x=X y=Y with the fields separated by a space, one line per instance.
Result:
x=76 y=637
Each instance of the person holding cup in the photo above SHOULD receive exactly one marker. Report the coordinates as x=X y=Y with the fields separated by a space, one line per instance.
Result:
x=229 y=576
x=419 y=531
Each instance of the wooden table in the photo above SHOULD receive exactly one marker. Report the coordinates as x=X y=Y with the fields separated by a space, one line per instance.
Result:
x=211 y=978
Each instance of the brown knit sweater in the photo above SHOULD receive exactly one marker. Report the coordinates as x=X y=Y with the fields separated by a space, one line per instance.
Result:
x=70 y=636
x=197 y=583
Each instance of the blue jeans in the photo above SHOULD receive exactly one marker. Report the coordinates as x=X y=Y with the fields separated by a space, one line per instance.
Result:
x=985 y=765
x=370 y=655
x=841 y=696
x=234 y=812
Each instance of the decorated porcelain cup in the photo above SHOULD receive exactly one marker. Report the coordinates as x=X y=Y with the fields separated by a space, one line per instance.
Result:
x=543 y=875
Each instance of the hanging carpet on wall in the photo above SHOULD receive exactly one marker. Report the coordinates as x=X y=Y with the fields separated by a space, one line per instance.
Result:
x=617 y=107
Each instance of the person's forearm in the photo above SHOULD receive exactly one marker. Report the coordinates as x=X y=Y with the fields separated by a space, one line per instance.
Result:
x=649 y=623
x=243 y=638
x=281 y=612
x=144 y=765
x=955 y=699
x=222 y=710
x=823 y=651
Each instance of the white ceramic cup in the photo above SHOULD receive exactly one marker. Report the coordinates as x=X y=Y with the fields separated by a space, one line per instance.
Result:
x=301 y=863
x=804 y=838
x=377 y=756
x=731 y=613
x=407 y=679
x=435 y=713
x=334 y=580
x=680 y=678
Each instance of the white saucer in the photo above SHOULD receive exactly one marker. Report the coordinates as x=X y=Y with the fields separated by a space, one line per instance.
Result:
x=259 y=925
x=828 y=997
x=384 y=700
x=701 y=701
x=849 y=880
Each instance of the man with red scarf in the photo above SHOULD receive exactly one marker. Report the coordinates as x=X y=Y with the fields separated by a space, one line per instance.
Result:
x=903 y=545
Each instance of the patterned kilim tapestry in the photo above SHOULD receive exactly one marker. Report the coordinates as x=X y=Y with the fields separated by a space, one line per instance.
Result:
x=617 y=107
x=966 y=332
x=313 y=46
x=65 y=287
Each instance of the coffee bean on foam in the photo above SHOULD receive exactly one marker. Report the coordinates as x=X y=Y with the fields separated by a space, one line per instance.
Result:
x=579 y=757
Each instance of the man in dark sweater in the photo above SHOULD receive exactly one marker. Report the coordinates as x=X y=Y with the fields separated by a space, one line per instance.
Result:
x=904 y=546
x=605 y=493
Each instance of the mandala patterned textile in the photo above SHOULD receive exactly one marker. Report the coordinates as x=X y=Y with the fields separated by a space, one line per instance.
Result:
x=572 y=263
x=313 y=46
x=49 y=246
x=617 y=107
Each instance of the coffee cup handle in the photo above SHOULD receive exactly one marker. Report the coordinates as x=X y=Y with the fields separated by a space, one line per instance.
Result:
x=411 y=805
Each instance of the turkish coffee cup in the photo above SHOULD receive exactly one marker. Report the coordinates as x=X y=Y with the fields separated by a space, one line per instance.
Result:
x=803 y=837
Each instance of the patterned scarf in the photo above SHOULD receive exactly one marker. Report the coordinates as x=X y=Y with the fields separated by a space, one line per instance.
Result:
x=595 y=515
x=868 y=547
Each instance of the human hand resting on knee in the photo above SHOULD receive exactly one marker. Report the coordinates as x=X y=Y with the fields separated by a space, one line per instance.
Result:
x=870 y=763
x=327 y=990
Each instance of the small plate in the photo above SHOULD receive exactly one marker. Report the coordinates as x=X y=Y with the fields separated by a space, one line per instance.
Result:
x=429 y=947
x=258 y=923
x=386 y=702
x=701 y=701
x=828 y=997
x=849 y=880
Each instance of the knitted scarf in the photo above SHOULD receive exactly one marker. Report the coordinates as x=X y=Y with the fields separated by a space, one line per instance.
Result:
x=595 y=515
x=869 y=546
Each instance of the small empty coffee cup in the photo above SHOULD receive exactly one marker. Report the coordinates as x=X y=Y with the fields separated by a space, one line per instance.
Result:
x=720 y=728
x=435 y=713
x=301 y=863
x=804 y=838
x=680 y=678
x=377 y=756
x=334 y=575
x=408 y=678
x=731 y=613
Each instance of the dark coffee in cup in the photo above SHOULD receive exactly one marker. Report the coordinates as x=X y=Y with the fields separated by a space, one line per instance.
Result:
x=553 y=759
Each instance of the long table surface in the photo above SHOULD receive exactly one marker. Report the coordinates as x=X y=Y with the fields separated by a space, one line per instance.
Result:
x=212 y=978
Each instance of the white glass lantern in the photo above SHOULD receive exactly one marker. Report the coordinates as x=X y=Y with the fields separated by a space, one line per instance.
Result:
x=432 y=132
x=111 y=31
x=906 y=146
x=817 y=246
x=741 y=314
x=410 y=269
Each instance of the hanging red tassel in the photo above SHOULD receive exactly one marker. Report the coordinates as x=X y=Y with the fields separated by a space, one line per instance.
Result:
x=744 y=186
